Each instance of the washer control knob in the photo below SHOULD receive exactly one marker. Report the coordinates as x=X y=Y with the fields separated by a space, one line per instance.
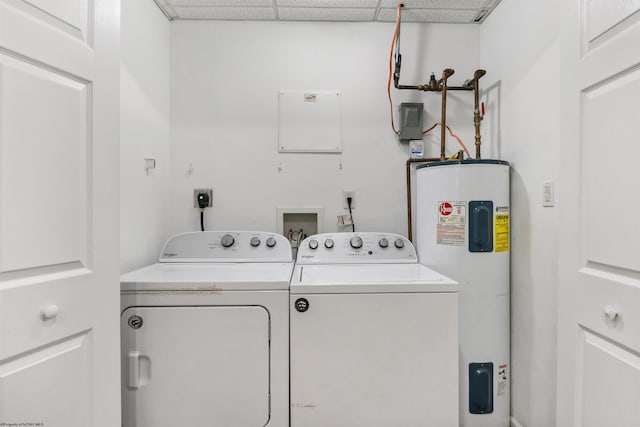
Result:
x=271 y=242
x=356 y=242
x=328 y=243
x=255 y=242
x=313 y=244
x=227 y=241
x=384 y=243
x=398 y=243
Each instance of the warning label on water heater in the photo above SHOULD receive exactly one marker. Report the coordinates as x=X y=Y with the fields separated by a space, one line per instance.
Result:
x=452 y=223
x=502 y=380
x=501 y=226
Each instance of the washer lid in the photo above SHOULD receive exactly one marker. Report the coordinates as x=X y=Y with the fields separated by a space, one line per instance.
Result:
x=209 y=277
x=369 y=278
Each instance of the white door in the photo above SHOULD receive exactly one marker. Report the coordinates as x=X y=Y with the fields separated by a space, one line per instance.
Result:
x=195 y=366
x=59 y=292
x=599 y=299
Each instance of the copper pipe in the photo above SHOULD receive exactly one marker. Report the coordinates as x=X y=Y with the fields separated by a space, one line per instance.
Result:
x=428 y=88
x=443 y=123
x=476 y=108
x=409 y=213
x=446 y=73
x=433 y=85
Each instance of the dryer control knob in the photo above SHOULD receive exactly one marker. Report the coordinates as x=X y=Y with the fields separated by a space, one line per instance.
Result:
x=399 y=243
x=255 y=242
x=356 y=242
x=384 y=243
x=271 y=242
x=328 y=243
x=313 y=244
x=227 y=241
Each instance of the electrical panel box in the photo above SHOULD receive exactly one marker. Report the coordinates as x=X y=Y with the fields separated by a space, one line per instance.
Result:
x=411 y=121
x=309 y=121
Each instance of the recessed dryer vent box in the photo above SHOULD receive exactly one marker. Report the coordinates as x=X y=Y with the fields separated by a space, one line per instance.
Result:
x=311 y=220
x=411 y=120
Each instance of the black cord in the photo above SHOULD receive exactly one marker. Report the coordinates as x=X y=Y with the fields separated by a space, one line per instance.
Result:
x=353 y=224
x=201 y=219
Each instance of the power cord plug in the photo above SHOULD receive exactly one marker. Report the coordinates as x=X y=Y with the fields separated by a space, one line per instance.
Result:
x=203 y=200
x=353 y=225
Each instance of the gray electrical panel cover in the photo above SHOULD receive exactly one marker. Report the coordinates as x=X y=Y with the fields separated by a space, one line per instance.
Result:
x=411 y=121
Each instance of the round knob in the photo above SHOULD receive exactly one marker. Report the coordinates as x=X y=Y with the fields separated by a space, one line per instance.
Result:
x=398 y=243
x=271 y=242
x=302 y=305
x=383 y=242
x=313 y=244
x=328 y=243
x=610 y=312
x=227 y=240
x=356 y=242
x=255 y=242
x=50 y=312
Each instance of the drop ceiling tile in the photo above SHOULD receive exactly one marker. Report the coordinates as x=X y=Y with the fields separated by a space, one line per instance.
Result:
x=436 y=4
x=226 y=13
x=239 y=3
x=429 y=15
x=328 y=3
x=324 y=14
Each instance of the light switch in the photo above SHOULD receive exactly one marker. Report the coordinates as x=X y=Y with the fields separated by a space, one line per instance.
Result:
x=548 y=194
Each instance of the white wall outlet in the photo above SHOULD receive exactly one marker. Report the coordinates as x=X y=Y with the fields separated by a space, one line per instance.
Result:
x=548 y=196
x=348 y=193
x=207 y=191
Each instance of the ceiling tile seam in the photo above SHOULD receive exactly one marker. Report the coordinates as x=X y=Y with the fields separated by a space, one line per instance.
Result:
x=224 y=7
x=377 y=12
x=166 y=10
x=276 y=15
x=426 y=9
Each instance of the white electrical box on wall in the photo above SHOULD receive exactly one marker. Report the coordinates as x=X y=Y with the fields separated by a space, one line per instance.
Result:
x=309 y=121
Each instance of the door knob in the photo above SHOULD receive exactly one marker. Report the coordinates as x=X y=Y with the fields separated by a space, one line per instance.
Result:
x=610 y=312
x=50 y=312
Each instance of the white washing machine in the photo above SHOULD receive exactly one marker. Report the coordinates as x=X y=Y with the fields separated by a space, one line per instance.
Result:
x=374 y=335
x=205 y=333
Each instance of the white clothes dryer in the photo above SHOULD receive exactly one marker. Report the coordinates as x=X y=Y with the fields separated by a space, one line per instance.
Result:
x=205 y=333
x=374 y=335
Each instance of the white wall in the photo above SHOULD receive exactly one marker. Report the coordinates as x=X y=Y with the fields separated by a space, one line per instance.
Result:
x=225 y=77
x=224 y=93
x=520 y=48
x=145 y=132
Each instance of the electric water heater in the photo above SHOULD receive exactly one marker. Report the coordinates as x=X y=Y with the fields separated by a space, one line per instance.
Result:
x=462 y=231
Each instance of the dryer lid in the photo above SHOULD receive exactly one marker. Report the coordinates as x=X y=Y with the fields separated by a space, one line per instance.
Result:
x=209 y=277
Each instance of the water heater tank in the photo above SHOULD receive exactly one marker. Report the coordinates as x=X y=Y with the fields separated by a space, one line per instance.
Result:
x=462 y=231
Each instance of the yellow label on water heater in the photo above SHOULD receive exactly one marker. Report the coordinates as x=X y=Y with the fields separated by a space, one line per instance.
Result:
x=501 y=227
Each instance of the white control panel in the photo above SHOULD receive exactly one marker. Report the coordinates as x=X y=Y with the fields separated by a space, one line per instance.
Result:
x=356 y=248
x=227 y=246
